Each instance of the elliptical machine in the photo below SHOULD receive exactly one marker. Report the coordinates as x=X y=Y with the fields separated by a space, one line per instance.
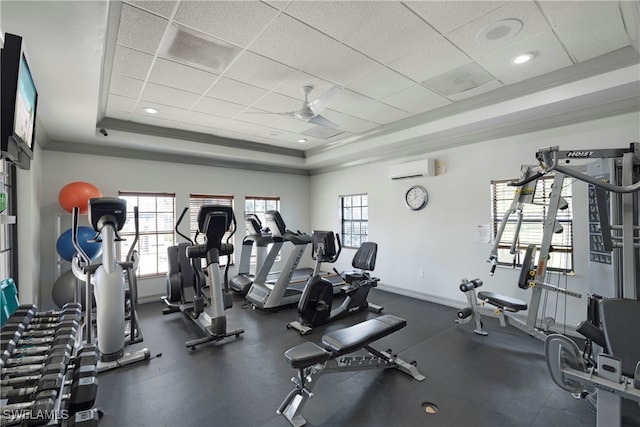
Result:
x=107 y=216
x=207 y=313
x=315 y=304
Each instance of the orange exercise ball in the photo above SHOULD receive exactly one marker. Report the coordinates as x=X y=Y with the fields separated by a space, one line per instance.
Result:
x=77 y=194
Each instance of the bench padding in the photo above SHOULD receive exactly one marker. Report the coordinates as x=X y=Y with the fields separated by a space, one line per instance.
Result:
x=306 y=354
x=502 y=301
x=348 y=340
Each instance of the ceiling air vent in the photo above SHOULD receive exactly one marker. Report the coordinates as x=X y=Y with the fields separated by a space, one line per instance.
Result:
x=459 y=79
x=197 y=49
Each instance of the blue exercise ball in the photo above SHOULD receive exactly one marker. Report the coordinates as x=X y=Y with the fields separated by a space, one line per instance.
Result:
x=64 y=244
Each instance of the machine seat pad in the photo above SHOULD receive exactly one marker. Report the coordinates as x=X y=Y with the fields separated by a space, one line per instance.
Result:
x=502 y=301
x=306 y=354
x=347 y=340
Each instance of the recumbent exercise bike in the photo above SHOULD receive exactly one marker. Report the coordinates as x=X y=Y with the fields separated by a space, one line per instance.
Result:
x=314 y=308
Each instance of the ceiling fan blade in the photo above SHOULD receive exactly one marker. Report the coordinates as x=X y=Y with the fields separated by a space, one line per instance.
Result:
x=321 y=103
x=322 y=121
x=288 y=113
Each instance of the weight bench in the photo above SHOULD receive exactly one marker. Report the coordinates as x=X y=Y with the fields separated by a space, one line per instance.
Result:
x=312 y=360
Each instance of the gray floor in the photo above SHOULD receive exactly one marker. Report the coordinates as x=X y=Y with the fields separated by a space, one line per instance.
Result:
x=499 y=380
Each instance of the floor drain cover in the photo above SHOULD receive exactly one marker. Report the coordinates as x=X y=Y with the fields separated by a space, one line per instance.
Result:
x=429 y=407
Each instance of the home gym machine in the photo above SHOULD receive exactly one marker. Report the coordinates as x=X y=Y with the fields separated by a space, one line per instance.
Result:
x=621 y=238
x=241 y=283
x=208 y=313
x=314 y=308
x=105 y=281
x=334 y=355
x=616 y=375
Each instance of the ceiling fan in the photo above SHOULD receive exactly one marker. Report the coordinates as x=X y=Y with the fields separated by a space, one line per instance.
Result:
x=310 y=111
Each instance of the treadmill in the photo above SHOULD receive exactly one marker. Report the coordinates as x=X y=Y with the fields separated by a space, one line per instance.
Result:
x=286 y=288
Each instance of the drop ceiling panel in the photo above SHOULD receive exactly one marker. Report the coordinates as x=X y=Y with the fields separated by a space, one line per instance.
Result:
x=140 y=30
x=416 y=99
x=435 y=57
x=383 y=39
x=273 y=120
x=338 y=19
x=311 y=51
x=356 y=105
x=131 y=63
x=549 y=56
x=259 y=71
x=476 y=91
x=348 y=123
x=172 y=74
x=165 y=112
x=235 y=91
x=125 y=86
x=163 y=8
x=446 y=16
x=205 y=120
x=381 y=83
x=533 y=22
x=121 y=104
x=293 y=86
x=218 y=107
x=276 y=103
x=168 y=96
x=596 y=30
x=242 y=22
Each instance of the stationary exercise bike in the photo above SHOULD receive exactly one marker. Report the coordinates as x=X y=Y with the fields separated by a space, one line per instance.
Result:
x=208 y=313
x=315 y=304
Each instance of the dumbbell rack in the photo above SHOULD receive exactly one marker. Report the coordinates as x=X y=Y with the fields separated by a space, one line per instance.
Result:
x=45 y=378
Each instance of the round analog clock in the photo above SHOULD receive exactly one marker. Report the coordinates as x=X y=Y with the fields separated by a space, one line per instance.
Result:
x=416 y=197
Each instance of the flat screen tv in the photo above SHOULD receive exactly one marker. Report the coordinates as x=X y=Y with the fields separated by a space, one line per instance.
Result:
x=19 y=104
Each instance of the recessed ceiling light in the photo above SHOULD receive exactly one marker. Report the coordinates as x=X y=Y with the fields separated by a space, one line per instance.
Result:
x=302 y=140
x=521 y=59
x=150 y=110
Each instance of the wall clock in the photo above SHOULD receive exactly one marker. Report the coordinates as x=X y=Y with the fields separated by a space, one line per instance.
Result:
x=416 y=197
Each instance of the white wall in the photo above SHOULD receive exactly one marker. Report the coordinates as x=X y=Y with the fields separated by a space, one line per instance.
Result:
x=28 y=226
x=440 y=239
x=113 y=174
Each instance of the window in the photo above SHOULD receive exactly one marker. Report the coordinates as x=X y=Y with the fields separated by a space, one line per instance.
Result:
x=355 y=219
x=198 y=200
x=531 y=231
x=258 y=205
x=156 y=222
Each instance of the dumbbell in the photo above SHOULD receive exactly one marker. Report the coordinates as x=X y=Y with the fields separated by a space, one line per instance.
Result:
x=29 y=320
x=81 y=397
x=23 y=346
x=24 y=332
x=85 y=357
x=54 y=357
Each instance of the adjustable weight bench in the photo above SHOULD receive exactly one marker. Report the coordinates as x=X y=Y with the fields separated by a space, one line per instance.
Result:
x=312 y=360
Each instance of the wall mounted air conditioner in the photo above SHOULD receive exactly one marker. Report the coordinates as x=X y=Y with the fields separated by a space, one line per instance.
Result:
x=425 y=167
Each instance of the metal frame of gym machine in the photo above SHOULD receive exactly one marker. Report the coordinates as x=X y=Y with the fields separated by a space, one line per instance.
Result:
x=529 y=277
x=564 y=359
